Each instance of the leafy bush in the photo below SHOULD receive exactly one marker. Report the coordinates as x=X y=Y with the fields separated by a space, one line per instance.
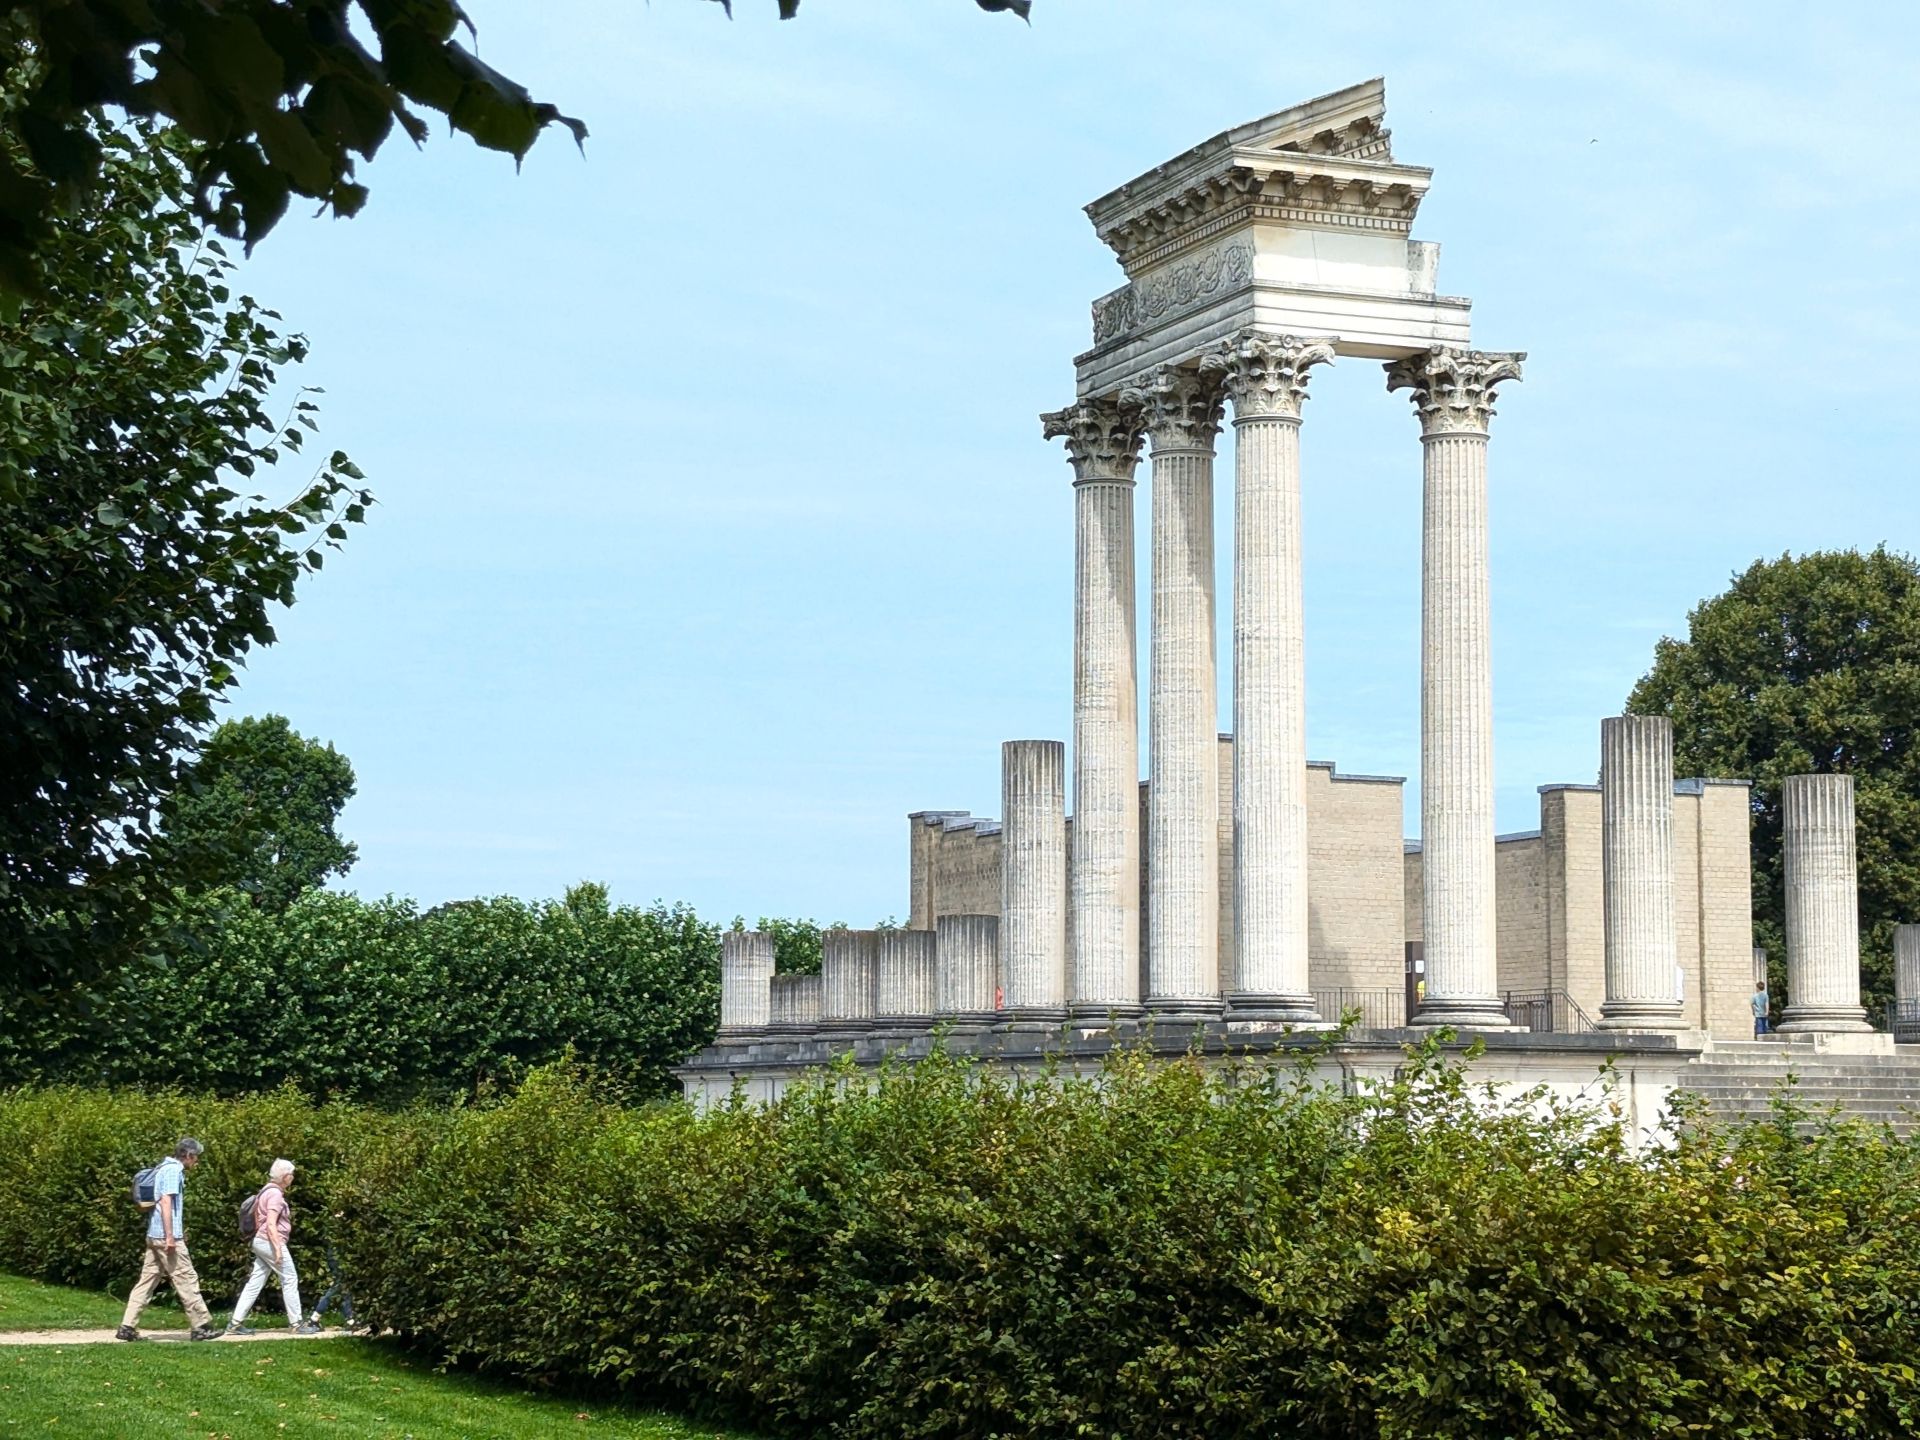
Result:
x=374 y=1001
x=69 y=1156
x=940 y=1252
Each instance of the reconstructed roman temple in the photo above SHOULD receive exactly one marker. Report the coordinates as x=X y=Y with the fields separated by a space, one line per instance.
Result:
x=1245 y=896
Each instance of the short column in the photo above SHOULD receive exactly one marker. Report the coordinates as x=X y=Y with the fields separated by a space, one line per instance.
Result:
x=904 y=998
x=1453 y=396
x=1636 y=858
x=1103 y=968
x=1266 y=379
x=1823 y=907
x=1033 y=880
x=849 y=980
x=746 y=968
x=1906 y=983
x=966 y=969
x=793 y=1005
x=1182 y=412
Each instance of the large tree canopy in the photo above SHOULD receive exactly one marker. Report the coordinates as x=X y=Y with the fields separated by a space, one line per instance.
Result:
x=135 y=574
x=280 y=97
x=257 y=811
x=1809 y=664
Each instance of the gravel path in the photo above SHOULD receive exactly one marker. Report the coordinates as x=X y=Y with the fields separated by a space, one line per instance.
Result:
x=163 y=1337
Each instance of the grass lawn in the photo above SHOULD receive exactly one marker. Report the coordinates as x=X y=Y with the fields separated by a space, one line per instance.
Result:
x=32 y=1305
x=336 y=1387
x=339 y=1388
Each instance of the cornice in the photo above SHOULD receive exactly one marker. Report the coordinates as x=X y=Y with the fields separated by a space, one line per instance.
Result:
x=1251 y=185
x=1327 y=162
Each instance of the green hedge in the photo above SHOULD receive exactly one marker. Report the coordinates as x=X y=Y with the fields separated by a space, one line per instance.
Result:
x=1162 y=1254
x=375 y=1001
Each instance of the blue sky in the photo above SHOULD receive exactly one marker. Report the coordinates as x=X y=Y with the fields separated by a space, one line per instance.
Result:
x=716 y=531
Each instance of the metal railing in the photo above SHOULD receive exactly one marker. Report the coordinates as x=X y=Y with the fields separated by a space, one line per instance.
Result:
x=1383 y=1009
x=1903 y=1019
x=1550 y=1012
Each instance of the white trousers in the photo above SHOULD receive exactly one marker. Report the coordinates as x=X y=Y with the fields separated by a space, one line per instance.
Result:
x=263 y=1266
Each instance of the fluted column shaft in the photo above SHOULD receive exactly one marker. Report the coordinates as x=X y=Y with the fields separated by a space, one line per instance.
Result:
x=1182 y=413
x=1636 y=856
x=1103 y=445
x=849 y=978
x=793 y=1004
x=904 y=994
x=966 y=968
x=1033 y=879
x=1266 y=379
x=1453 y=395
x=746 y=970
x=1823 y=906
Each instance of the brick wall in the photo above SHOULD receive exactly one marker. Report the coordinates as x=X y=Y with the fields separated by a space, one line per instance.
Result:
x=1520 y=913
x=955 y=866
x=1726 y=907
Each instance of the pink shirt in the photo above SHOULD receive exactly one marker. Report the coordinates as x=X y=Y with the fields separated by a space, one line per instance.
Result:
x=272 y=1217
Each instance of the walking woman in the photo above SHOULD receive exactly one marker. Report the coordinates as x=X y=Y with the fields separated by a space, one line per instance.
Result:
x=272 y=1228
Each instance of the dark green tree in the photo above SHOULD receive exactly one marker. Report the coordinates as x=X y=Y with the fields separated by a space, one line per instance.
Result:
x=796 y=943
x=1809 y=664
x=135 y=573
x=257 y=811
x=279 y=98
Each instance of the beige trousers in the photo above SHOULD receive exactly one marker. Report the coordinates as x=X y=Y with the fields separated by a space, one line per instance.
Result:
x=174 y=1266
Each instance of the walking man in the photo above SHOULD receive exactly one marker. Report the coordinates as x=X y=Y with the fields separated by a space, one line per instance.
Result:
x=272 y=1228
x=1762 y=1007
x=167 y=1257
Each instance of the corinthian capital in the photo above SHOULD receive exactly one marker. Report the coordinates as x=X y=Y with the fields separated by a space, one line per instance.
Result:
x=1266 y=375
x=1103 y=437
x=1181 y=408
x=1453 y=388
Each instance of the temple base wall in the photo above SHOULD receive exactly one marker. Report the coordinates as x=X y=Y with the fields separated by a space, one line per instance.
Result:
x=1645 y=1068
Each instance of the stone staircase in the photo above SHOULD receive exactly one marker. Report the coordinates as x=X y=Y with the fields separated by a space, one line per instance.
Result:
x=1738 y=1078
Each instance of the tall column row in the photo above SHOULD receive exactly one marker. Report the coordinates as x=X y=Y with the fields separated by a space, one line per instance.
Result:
x=1180 y=410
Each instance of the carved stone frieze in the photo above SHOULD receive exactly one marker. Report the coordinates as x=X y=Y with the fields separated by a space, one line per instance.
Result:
x=1102 y=435
x=1170 y=291
x=1181 y=409
x=1113 y=315
x=1266 y=375
x=1453 y=388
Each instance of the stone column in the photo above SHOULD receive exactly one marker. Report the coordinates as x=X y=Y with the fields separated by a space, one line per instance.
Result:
x=1906 y=982
x=1823 y=907
x=746 y=968
x=849 y=980
x=1182 y=414
x=793 y=1005
x=1103 y=445
x=904 y=998
x=1266 y=378
x=1636 y=857
x=1453 y=396
x=966 y=969
x=1033 y=879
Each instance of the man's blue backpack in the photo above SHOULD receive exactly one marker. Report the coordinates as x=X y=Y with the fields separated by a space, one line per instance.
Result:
x=143 y=1187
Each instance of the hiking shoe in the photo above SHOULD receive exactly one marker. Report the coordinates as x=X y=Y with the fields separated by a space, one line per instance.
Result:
x=203 y=1332
x=126 y=1332
x=238 y=1329
x=306 y=1327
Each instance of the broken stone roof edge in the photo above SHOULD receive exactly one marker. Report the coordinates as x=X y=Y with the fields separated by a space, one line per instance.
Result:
x=1335 y=109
